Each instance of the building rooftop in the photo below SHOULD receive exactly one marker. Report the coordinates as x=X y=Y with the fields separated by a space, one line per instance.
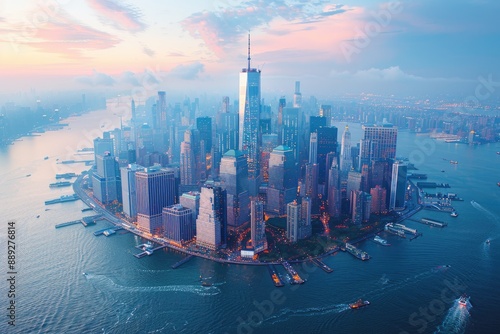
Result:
x=282 y=148
x=233 y=153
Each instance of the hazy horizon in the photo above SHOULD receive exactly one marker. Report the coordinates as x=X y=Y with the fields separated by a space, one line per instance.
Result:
x=403 y=48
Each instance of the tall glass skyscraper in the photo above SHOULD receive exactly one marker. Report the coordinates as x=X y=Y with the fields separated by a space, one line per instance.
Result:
x=249 y=111
x=282 y=185
x=383 y=141
x=155 y=189
x=258 y=227
x=234 y=178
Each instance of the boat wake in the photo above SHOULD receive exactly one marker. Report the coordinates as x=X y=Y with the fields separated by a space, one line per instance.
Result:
x=287 y=313
x=104 y=283
x=491 y=216
x=456 y=319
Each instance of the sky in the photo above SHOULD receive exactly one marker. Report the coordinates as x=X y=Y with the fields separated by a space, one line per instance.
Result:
x=188 y=47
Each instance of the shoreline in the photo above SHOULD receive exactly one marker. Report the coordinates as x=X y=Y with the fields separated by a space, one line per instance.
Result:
x=88 y=200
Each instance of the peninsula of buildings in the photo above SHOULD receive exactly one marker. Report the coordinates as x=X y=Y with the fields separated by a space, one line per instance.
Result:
x=255 y=183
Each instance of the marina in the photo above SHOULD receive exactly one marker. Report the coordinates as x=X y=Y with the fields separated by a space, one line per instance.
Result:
x=295 y=278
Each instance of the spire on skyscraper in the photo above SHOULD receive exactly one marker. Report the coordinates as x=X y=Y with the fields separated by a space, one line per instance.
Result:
x=249 y=51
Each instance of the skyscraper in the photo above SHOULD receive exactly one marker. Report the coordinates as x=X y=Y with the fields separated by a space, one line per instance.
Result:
x=177 y=223
x=106 y=180
x=249 y=111
x=345 y=151
x=187 y=161
x=258 y=227
x=292 y=221
x=379 y=203
x=313 y=148
x=334 y=197
x=204 y=126
x=290 y=129
x=383 y=141
x=210 y=223
x=234 y=178
x=398 y=185
x=155 y=189
x=282 y=185
x=297 y=96
x=327 y=144
x=361 y=207
x=129 y=195
x=326 y=111
x=191 y=200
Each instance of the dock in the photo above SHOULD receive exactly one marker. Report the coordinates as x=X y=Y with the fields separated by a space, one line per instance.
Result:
x=90 y=220
x=147 y=250
x=181 y=262
x=431 y=222
x=108 y=229
x=322 y=265
x=74 y=222
x=274 y=276
x=295 y=277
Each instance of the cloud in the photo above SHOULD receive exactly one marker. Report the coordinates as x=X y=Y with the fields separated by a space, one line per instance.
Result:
x=61 y=34
x=96 y=79
x=147 y=51
x=123 y=17
x=188 y=72
x=225 y=26
x=130 y=78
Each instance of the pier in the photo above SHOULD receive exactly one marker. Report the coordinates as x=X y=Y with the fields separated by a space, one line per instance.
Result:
x=90 y=220
x=74 y=222
x=274 y=276
x=322 y=265
x=148 y=250
x=181 y=262
x=115 y=228
x=295 y=277
x=431 y=222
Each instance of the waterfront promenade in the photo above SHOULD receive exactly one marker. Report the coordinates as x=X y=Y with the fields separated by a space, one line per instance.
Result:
x=164 y=243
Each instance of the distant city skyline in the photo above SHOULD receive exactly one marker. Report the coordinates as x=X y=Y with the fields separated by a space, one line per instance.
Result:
x=360 y=46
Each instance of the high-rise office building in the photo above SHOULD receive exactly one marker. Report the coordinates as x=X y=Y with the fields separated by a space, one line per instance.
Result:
x=361 y=207
x=383 y=141
x=292 y=221
x=129 y=196
x=290 y=129
x=279 y=121
x=379 y=202
x=155 y=189
x=102 y=145
x=327 y=144
x=258 y=227
x=326 y=111
x=398 y=185
x=345 y=151
x=334 y=197
x=204 y=126
x=191 y=200
x=106 y=180
x=315 y=122
x=297 y=96
x=249 y=98
x=188 y=166
x=282 y=185
x=305 y=227
x=313 y=148
x=234 y=178
x=177 y=223
x=210 y=224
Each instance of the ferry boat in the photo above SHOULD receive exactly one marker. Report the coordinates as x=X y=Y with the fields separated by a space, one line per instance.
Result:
x=46 y=158
x=381 y=241
x=454 y=214
x=359 y=303
x=357 y=252
x=463 y=300
x=454 y=162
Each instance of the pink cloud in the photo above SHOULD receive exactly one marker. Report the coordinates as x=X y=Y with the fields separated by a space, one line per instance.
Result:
x=120 y=16
x=62 y=35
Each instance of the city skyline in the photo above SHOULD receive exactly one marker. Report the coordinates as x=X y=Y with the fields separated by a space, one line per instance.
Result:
x=411 y=47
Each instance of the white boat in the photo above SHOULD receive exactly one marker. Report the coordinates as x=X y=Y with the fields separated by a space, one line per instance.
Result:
x=381 y=241
x=454 y=214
